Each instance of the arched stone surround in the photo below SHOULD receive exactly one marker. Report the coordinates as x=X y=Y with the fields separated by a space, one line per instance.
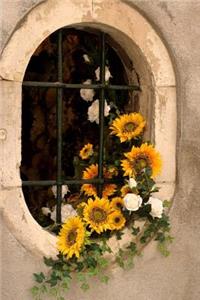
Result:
x=151 y=60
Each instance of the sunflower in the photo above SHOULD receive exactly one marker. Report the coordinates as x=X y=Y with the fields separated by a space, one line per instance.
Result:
x=112 y=171
x=128 y=126
x=117 y=203
x=86 y=151
x=116 y=220
x=80 y=208
x=125 y=190
x=89 y=189
x=71 y=237
x=139 y=158
x=96 y=214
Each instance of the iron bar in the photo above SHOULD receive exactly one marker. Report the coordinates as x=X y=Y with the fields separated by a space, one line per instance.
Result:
x=59 y=112
x=101 y=114
x=71 y=181
x=79 y=85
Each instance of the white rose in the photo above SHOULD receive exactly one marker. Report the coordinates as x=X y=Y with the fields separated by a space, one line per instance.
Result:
x=87 y=94
x=156 y=207
x=46 y=211
x=86 y=58
x=65 y=190
x=93 y=111
x=107 y=74
x=132 y=183
x=66 y=212
x=132 y=201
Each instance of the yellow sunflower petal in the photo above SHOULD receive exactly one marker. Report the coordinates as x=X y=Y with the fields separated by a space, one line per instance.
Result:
x=116 y=220
x=89 y=189
x=86 y=151
x=128 y=126
x=96 y=214
x=71 y=237
x=141 y=157
x=125 y=190
x=117 y=203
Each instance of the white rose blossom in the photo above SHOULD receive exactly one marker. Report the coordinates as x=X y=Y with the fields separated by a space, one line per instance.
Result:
x=156 y=207
x=86 y=58
x=132 y=201
x=66 y=211
x=93 y=111
x=46 y=211
x=107 y=74
x=132 y=183
x=87 y=94
x=65 y=190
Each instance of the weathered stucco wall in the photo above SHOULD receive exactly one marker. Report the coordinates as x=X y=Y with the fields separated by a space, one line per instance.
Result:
x=154 y=277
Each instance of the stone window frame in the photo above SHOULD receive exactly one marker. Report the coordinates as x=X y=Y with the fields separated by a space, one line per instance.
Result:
x=157 y=80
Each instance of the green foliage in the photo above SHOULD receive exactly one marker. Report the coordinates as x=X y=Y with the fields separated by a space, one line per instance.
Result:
x=125 y=257
x=163 y=242
x=39 y=277
x=145 y=184
x=167 y=204
x=119 y=235
x=157 y=226
x=57 y=282
x=135 y=231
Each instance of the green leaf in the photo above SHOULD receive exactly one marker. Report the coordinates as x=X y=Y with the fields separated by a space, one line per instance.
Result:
x=35 y=290
x=52 y=282
x=81 y=277
x=53 y=291
x=120 y=261
x=135 y=231
x=132 y=247
x=163 y=249
x=91 y=262
x=119 y=235
x=39 y=277
x=104 y=279
x=48 y=261
x=117 y=163
x=80 y=266
x=66 y=274
x=160 y=237
x=163 y=246
x=66 y=267
x=85 y=286
x=43 y=289
x=106 y=248
x=65 y=284
x=93 y=272
x=129 y=263
x=167 y=203
x=103 y=262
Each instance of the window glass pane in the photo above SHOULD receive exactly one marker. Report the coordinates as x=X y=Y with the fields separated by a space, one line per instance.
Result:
x=78 y=131
x=38 y=134
x=43 y=63
x=81 y=55
x=41 y=202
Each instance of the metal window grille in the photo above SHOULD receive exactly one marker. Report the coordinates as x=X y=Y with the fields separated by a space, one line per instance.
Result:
x=60 y=85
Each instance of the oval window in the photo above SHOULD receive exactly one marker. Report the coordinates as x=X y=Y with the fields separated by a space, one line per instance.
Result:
x=75 y=84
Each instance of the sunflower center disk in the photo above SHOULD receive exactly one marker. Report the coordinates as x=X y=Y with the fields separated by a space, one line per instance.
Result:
x=71 y=237
x=129 y=127
x=98 y=215
x=119 y=205
x=141 y=163
x=117 y=220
